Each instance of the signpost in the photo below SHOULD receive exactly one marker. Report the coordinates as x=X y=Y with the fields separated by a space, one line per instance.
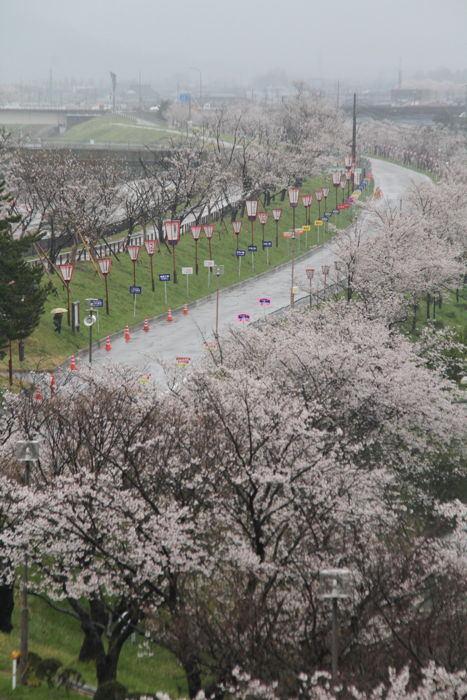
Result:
x=165 y=277
x=310 y=274
x=240 y=254
x=135 y=289
x=218 y=271
x=209 y=264
x=252 y=249
x=187 y=271
x=267 y=245
x=182 y=361
x=243 y=318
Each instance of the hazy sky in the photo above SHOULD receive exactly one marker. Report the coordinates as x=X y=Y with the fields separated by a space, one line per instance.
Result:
x=235 y=39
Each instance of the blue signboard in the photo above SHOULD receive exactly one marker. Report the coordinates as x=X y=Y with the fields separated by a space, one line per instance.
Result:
x=240 y=253
x=324 y=218
x=134 y=289
x=264 y=301
x=328 y=214
x=243 y=317
x=96 y=303
x=252 y=248
x=164 y=278
x=335 y=211
x=267 y=244
x=184 y=97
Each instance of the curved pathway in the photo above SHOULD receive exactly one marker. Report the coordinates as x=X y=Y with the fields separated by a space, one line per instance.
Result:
x=186 y=336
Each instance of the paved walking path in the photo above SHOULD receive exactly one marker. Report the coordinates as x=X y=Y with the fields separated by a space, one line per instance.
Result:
x=186 y=335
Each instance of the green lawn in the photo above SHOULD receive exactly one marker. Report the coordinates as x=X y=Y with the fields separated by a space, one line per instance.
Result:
x=54 y=635
x=46 y=349
x=115 y=129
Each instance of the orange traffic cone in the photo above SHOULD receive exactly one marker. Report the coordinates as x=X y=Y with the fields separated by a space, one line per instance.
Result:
x=52 y=381
x=146 y=325
x=127 y=334
x=38 y=395
x=169 y=315
x=185 y=309
x=108 y=346
x=73 y=363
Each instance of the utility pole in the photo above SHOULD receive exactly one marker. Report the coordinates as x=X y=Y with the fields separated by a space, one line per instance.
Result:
x=354 y=128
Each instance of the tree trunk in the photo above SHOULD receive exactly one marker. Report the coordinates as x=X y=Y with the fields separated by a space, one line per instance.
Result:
x=7 y=603
x=93 y=629
x=193 y=676
x=90 y=645
x=107 y=663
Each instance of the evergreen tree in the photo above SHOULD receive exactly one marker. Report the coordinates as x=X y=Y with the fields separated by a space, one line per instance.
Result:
x=22 y=292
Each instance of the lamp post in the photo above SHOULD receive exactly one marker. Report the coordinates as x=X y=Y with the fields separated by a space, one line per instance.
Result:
x=66 y=271
x=319 y=197
x=196 y=232
x=335 y=584
x=89 y=321
x=263 y=217
x=27 y=451
x=172 y=236
x=252 y=210
x=342 y=183
x=325 y=191
x=325 y=270
x=276 y=215
x=209 y=232
x=218 y=271
x=133 y=252
x=292 y=273
x=237 y=227
x=105 y=264
x=336 y=181
x=310 y=274
x=150 y=246
x=348 y=176
x=294 y=193
x=307 y=200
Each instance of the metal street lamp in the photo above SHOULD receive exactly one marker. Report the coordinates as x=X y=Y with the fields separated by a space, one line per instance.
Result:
x=27 y=451
x=172 y=236
x=150 y=245
x=196 y=232
x=133 y=252
x=335 y=584
x=348 y=177
x=218 y=271
x=310 y=274
x=66 y=271
x=276 y=215
x=263 y=219
x=209 y=232
x=89 y=321
x=325 y=270
x=325 y=191
x=294 y=193
x=336 y=181
x=252 y=210
x=105 y=264
x=342 y=185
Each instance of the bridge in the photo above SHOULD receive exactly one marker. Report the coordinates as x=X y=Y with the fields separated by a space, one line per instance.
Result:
x=407 y=113
x=61 y=118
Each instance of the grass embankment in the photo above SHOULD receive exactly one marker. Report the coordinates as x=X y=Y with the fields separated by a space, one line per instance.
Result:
x=46 y=349
x=116 y=129
x=54 y=635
